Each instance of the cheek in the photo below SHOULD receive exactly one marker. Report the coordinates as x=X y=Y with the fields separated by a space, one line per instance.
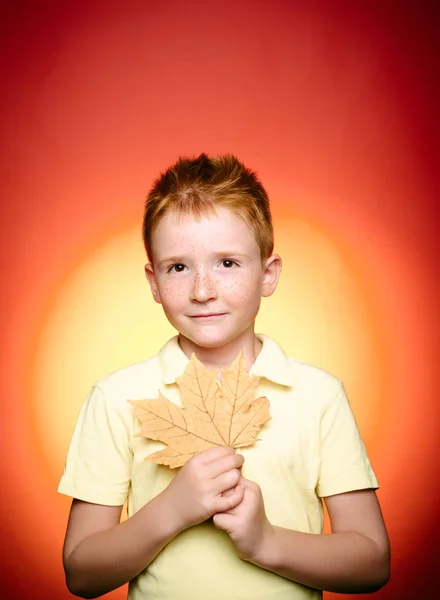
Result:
x=241 y=286
x=172 y=292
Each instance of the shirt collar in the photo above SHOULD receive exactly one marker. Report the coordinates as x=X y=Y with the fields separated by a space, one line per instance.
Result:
x=271 y=362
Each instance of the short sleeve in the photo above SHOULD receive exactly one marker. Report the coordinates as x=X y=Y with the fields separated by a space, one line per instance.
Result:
x=345 y=465
x=99 y=458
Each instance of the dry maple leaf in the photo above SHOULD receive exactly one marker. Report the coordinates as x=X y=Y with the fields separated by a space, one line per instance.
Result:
x=212 y=413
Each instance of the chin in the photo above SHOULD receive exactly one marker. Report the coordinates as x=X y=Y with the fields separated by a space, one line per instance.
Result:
x=211 y=338
x=207 y=339
x=213 y=341
x=205 y=342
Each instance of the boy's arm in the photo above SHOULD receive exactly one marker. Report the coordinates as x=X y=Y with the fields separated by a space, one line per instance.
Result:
x=100 y=554
x=354 y=558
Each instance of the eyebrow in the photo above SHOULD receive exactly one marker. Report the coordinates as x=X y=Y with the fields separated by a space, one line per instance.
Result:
x=171 y=260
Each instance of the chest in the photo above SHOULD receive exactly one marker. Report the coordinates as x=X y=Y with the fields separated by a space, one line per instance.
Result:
x=287 y=446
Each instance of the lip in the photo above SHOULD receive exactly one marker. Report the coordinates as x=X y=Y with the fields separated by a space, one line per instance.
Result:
x=207 y=317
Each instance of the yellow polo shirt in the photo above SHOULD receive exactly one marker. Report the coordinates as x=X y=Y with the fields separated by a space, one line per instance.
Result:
x=311 y=448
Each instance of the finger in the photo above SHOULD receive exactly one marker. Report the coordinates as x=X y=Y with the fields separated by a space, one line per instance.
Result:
x=248 y=484
x=214 y=454
x=223 y=521
x=224 y=503
x=225 y=482
x=222 y=465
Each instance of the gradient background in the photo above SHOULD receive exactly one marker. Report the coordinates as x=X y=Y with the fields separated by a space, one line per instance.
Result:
x=335 y=105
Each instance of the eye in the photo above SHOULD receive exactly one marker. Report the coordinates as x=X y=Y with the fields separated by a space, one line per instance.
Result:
x=177 y=268
x=227 y=263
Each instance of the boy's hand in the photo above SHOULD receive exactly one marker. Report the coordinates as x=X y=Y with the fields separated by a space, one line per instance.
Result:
x=246 y=523
x=196 y=493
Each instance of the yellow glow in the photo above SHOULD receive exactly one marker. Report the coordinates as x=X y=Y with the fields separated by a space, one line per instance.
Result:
x=104 y=318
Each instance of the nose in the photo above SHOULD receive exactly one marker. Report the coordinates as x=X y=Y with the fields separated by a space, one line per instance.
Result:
x=203 y=288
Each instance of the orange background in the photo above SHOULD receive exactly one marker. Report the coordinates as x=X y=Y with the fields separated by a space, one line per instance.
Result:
x=335 y=105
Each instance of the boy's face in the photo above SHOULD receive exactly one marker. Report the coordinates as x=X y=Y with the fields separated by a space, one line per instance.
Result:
x=208 y=276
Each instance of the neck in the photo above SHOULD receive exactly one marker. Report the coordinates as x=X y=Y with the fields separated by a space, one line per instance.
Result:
x=223 y=356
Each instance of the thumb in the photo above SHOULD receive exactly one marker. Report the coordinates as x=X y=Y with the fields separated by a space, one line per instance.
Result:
x=250 y=488
x=245 y=483
x=223 y=521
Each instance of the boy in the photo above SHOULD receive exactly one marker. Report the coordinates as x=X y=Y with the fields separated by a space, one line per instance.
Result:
x=227 y=525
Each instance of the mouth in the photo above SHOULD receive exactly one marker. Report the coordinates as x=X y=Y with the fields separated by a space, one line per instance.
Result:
x=209 y=316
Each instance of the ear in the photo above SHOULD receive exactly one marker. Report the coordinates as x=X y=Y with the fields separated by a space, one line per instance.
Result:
x=272 y=271
x=149 y=273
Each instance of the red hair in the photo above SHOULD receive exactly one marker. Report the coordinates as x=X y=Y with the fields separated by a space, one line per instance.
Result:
x=199 y=185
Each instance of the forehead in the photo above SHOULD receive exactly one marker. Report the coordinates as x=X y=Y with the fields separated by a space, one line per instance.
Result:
x=213 y=230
